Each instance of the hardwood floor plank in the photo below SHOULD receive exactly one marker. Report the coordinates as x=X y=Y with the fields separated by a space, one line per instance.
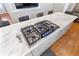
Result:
x=68 y=44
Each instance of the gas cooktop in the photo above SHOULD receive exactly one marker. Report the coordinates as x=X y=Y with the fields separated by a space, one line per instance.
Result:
x=35 y=32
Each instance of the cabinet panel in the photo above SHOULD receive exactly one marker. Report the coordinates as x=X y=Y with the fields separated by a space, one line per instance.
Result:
x=64 y=29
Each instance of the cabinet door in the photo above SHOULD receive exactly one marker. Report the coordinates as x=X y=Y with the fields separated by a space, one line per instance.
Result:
x=64 y=29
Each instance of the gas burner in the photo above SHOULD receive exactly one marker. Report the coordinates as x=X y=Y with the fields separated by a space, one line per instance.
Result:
x=45 y=27
x=42 y=29
x=31 y=34
x=38 y=31
x=50 y=25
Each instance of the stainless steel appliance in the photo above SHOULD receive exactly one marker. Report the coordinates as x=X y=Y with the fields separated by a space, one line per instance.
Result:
x=39 y=30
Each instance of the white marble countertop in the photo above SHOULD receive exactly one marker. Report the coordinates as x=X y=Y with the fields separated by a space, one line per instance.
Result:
x=60 y=19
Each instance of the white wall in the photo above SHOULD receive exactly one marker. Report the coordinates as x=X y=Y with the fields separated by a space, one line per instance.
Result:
x=2 y=9
x=71 y=6
x=62 y=7
x=59 y=7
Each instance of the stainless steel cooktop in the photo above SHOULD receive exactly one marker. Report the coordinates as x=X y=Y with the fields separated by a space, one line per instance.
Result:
x=39 y=30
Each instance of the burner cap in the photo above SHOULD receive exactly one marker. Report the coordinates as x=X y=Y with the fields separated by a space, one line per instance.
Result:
x=33 y=37
x=28 y=30
x=52 y=27
x=40 y=27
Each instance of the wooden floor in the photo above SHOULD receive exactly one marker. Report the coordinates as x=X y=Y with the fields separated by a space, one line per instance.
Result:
x=68 y=44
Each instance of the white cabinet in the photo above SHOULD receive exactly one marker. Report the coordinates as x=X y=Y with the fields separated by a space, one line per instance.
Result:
x=64 y=29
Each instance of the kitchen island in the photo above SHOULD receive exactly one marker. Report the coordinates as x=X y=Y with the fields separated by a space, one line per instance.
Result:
x=10 y=45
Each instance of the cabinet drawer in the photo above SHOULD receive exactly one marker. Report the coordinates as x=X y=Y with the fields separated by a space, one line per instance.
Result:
x=64 y=29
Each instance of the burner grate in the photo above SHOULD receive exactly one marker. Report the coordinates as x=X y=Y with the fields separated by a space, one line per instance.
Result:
x=38 y=31
x=31 y=34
